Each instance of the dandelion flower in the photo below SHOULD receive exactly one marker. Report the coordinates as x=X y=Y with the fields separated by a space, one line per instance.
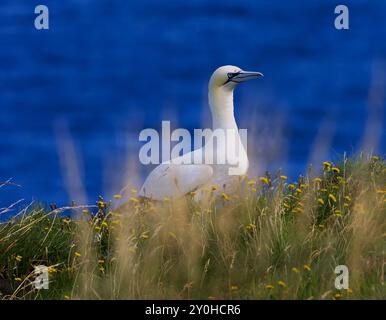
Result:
x=291 y=187
x=349 y=291
x=77 y=254
x=321 y=201
x=18 y=258
x=67 y=221
x=326 y=166
x=133 y=199
x=332 y=197
x=85 y=211
x=317 y=180
x=97 y=228
x=281 y=283
x=269 y=286
x=101 y=261
x=234 y=288
x=347 y=198
x=133 y=191
x=307 y=267
x=104 y=224
x=295 y=270
x=338 y=295
x=336 y=169
x=251 y=226
x=264 y=180
x=214 y=188
x=225 y=197
x=117 y=196
x=252 y=182
x=283 y=178
x=18 y=279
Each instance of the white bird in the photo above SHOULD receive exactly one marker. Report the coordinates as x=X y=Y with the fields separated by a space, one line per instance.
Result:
x=171 y=179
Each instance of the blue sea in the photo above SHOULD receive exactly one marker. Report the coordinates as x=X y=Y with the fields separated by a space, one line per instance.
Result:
x=74 y=98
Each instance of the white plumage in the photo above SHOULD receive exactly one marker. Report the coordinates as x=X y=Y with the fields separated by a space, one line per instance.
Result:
x=171 y=180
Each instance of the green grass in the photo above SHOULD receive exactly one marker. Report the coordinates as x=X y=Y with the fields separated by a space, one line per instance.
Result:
x=271 y=240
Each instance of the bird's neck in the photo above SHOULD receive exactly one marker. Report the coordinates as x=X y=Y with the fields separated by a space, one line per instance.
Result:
x=221 y=105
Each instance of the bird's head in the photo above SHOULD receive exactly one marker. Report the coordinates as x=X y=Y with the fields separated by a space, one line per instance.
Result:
x=228 y=77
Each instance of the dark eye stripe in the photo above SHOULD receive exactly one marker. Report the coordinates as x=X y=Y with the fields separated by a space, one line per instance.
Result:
x=232 y=74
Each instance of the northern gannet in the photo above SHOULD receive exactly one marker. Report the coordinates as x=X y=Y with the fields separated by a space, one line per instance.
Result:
x=171 y=179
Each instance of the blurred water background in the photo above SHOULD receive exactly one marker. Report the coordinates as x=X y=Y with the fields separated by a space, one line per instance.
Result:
x=107 y=69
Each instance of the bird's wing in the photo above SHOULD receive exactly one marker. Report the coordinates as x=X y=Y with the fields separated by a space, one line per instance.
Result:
x=175 y=180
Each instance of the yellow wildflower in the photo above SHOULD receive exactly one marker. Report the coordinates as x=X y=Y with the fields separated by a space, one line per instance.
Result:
x=349 y=291
x=283 y=178
x=300 y=210
x=338 y=295
x=117 y=196
x=225 y=197
x=214 y=188
x=133 y=191
x=101 y=261
x=77 y=254
x=264 y=180
x=347 y=198
x=18 y=258
x=335 y=169
x=18 y=279
x=251 y=226
x=295 y=270
x=332 y=197
x=269 y=286
x=66 y=297
x=321 y=201
x=234 y=288
x=85 y=211
x=291 y=187
x=317 y=180
x=133 y=199
x=104 y=224
x=299 y=190
x=307 y=267
x=281 y=283
x=97 y=228
x=252 y=182
x=323 y=190
x=67 y=220
x=326 y=166
x=52 y=270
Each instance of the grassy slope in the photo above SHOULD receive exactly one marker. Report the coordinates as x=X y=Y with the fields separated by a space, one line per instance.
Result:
x=272 y=240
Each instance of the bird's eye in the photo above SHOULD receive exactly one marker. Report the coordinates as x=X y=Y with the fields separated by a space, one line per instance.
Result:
x=231 y=75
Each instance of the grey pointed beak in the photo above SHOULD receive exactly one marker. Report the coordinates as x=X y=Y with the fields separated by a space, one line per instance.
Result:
x=246 y=75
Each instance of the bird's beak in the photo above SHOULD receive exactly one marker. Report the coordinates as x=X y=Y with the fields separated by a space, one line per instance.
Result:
x=246 y=75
